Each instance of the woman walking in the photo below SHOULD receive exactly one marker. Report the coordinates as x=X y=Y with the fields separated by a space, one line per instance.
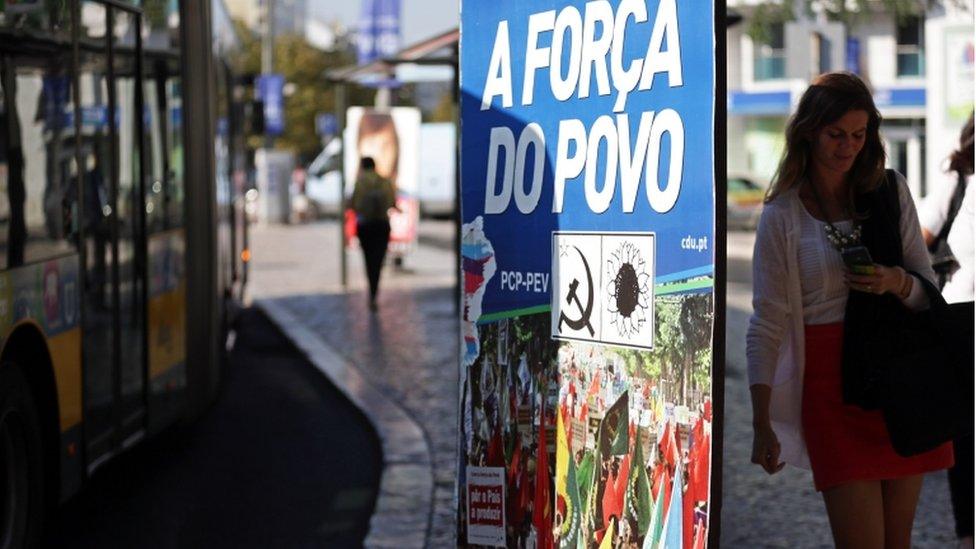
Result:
x=372 y=199
x=830 y=194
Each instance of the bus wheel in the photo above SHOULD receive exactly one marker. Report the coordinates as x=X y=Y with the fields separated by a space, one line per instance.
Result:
x=21 y=463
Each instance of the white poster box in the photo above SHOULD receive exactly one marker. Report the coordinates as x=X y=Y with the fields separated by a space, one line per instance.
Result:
x=603 y=288
x=486 y=506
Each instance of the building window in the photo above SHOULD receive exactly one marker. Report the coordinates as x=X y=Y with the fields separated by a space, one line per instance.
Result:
x=911 y=58
x=769 y=60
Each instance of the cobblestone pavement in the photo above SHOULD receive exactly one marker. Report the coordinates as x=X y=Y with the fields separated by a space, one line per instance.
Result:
x=783 y=510
x=409 y=351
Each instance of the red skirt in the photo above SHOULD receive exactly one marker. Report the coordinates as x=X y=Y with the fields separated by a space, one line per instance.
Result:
x=847 y=443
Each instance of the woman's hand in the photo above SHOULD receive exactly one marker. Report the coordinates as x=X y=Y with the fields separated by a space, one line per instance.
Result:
x=881 y=281
x=765 y=449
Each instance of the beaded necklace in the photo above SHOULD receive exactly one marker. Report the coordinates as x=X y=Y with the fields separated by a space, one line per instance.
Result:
x=837 y=238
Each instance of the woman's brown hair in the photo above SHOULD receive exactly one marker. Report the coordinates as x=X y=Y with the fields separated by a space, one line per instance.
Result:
x=826 y=101
x=961 y=160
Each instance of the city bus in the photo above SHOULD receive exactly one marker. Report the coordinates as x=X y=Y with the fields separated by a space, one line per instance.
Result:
x=123 y=244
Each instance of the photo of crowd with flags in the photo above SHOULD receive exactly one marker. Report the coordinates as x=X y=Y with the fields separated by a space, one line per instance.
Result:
x=632 y=464
x=601 y=446
x=508 y=407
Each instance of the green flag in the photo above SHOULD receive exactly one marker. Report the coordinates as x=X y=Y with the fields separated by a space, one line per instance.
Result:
x=585 y=475
x=614 y=438
x=570 y=532
x=637 y=500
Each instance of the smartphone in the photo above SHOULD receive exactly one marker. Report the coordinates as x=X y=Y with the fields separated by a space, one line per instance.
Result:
x=858 y=259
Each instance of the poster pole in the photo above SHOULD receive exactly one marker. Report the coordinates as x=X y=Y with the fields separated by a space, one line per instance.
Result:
x=721 y=231
x=456 y=87
x=340 y=112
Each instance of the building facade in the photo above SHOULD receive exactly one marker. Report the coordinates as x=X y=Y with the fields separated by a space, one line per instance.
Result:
x=919 y=68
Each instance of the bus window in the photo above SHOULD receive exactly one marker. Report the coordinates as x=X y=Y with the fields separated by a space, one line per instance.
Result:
x=153 y=151
x=41 y=19
x=174 y=139
x=38 y=158
x=129 y=207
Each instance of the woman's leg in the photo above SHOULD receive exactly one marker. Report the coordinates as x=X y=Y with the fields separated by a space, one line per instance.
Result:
x=900 y=498
x=368 y=242
x=856 y=515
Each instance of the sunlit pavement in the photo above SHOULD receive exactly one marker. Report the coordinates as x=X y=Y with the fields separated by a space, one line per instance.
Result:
x=407 y=352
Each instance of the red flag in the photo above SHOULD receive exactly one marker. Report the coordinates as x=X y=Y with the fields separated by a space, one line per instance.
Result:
x=669 y=445
x=496 y=450
x=516 y=463
x=594 y=385
x=515 y=509
x=698 y=474
x=659 y=471
x=542 y=504
x=667 y=490
x=613 y=492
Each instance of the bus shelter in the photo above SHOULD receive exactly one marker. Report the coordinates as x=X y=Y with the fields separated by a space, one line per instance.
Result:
x=432 y=59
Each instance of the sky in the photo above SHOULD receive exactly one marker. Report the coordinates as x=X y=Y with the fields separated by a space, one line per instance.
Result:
x=419 y=19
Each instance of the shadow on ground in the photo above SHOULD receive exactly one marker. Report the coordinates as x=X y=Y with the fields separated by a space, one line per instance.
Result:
x=281 y=460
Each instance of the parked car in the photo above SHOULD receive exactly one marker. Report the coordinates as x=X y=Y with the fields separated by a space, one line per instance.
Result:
x=744 y=202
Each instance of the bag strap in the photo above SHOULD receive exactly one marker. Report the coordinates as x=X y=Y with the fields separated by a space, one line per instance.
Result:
x=954 y=204
x=894 y=206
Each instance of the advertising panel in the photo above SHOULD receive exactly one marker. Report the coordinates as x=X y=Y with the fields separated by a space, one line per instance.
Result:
x=391 y=137
x=270 y=91
x=588 y=222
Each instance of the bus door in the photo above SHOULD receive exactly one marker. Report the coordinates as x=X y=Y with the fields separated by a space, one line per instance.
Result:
x=110 y=54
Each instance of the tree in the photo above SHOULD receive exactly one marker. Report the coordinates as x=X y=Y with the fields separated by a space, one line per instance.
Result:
x=305 y=68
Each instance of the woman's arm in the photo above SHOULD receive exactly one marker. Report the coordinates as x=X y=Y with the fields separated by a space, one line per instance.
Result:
x=765 y=445
x=770 y=303
x=770 y=300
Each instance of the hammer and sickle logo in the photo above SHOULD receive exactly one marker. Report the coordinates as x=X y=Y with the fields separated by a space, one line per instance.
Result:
x=584 y=310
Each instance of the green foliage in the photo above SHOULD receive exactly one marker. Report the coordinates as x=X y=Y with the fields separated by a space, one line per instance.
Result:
x=305 y=67
x=445 y=111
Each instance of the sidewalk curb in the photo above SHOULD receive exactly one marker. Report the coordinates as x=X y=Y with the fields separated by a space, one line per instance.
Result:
x=404 y=503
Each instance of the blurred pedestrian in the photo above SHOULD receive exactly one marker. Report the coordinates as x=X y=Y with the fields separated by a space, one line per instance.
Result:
x=371 y=201
x=830 y=194
x=947 y=217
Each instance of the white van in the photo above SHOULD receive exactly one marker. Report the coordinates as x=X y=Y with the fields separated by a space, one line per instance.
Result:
x=324 y=179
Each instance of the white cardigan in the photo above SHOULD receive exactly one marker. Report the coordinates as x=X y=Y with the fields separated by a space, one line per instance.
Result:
x=775 y=340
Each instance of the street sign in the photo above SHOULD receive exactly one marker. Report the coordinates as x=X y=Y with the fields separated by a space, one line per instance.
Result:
x=588 y=170
x=378 y=35
x=325 y=124
x=269 y=91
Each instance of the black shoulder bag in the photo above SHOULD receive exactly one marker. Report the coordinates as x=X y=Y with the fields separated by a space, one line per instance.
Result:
x=943 y=261
x=917 y=367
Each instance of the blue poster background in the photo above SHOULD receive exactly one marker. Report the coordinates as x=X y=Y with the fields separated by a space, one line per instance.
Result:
x=522 y=242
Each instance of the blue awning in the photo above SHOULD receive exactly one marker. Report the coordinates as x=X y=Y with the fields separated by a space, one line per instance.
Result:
x=770 y=103
x=899 y=97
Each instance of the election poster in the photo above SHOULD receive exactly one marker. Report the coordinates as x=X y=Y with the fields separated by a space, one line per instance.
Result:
x=391 y=138
x=587 y=242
